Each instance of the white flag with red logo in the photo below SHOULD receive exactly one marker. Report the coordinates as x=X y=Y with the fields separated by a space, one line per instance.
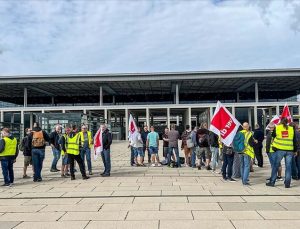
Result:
x=224 y=124
x=132 y=128
x=98 y=147
x=286 y=113
x=275 y=120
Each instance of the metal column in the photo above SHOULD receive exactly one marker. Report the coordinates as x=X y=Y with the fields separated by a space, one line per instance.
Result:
x=101 y=96
x=126 y=124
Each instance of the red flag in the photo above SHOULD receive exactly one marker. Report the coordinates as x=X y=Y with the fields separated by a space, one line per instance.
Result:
x=98 y=148
x=275 y=120
x=286 y=113
x=132 y=127
x=223 y=123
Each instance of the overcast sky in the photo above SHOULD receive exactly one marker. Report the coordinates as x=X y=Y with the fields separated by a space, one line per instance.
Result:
x=66 y=37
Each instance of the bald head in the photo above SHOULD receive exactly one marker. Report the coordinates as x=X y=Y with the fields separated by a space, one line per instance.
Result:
x=246 y=126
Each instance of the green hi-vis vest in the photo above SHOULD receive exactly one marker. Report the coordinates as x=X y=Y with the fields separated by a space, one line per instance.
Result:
x=73 y=144
x=248 y=149
x=10 y=147
x=90 y=139
x=62 y=153
x=284 y=138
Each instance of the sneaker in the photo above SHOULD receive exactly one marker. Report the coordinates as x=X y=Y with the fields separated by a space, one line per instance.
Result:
x=90 y=173
x=159 y=165
x=6 y=185
x=279 y=178
x=85 y=178
x=53 y=170
x=67 y=174
x=62 y=176
x=106 y=175
x=26 y=177
x=72 y=177
x=247 y=184
x=287 y=186
x=225 y=178
x=153 y=165
x=199 y=167
x=268 y=179
x=231 y=180
x=39 y=180
x=208 y=168
x=270 y=184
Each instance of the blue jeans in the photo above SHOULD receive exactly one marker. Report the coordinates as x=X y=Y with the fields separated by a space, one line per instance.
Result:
x=132 y=155
x=294 y=167
x=170 y=153
x=86 y=153
x=8 y=170
x=227 y=165
x=38 y=156
x=56 y=156
x=105 y=154
x=298 y=165
x=214 y=157
x=193 y=157
x=245 y=167
x=288 y=156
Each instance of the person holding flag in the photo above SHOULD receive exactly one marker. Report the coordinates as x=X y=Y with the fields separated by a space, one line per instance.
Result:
x=105 y=154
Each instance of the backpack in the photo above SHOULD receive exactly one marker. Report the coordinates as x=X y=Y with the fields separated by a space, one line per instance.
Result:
x=38 y=139
x=239 y=143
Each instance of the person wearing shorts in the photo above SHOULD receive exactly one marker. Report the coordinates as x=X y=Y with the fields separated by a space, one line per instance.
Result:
x=138 y=148
x=26 y=153
x=153 y=144
x=203 y=146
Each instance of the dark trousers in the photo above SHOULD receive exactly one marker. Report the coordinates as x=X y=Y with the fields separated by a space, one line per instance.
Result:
x=132 y=155
x=79 y=160
x=258 y=155
x=105 y=154
x=38 y=156
x=297 y=158
x=227 y=165
x=8 y=170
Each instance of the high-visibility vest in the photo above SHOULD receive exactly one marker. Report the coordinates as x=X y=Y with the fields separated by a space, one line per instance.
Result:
x=284 y=138
x=248 y=149
x=62 y=153
x=10 y=147
x=90 y=139
x=73 y=144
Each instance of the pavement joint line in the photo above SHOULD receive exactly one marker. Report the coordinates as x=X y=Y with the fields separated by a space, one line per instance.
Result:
x=220 y=206
x=232 y=224
x=126 y=215
x=101 y=206
x=43 y=207
x=260 y=215
x=152 y=196
x=61 y=216
x=282 y=205
x=87 y=224
x=18 y=224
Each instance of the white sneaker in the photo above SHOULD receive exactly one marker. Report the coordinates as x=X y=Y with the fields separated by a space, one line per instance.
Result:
x=158 y=164
x=153 y=165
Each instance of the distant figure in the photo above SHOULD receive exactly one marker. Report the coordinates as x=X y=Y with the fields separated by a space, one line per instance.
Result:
x=258 y=136
x=153 y=145
x=54 y=139
x=105 y=154
x=173 y=137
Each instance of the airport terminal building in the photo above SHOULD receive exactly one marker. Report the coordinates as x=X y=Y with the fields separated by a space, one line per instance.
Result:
x=157 y=99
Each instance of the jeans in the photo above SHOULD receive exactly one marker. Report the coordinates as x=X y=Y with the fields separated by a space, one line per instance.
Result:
x=80 y=163
x=170 y=153
x=236 y=168
x=56 y=156
x=294 y=167
x=227 y=165
x=245 y=167
x=215 y=157
x=38 y=156
x=8 y=170
x=193 y=157
x=298 y=165
x=278 y=155
x=132 y=155
x=86 y=153
x=105 y=154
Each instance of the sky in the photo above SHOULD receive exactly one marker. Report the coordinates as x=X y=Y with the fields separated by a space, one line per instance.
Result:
x=134 y=36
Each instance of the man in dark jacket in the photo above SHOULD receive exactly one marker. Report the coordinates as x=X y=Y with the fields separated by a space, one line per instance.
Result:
x=144 y=135
x=54 y=143
x=37 y=142
x=258 y=136
x=203 y=146
x=26 y=153
x=8 y=154
x=105 y=154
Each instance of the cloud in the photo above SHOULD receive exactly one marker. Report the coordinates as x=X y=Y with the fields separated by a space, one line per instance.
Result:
x=64 y=37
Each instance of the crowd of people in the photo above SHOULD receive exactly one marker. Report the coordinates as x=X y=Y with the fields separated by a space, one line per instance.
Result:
x=73 y=145
x=202 y=149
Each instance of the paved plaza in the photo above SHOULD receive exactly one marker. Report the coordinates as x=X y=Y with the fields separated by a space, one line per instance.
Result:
x=147 y=197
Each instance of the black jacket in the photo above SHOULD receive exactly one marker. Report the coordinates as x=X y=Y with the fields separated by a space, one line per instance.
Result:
x=213 y=140
x=54 y=139
x=27 y=149
x=46 y=137
x=106 y=139
x=2 y=147
x=202 y=137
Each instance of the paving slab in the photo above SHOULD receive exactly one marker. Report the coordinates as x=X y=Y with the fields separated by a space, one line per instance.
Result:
x=159 y=215
x=51 y=225
x=196 y=224
x=49 y=216
x=153 y=224
x=266 y=224
x=227 y=215
x=102 y=215
x=72 y=208
x=189 y=206
x=252 y=206
x=130 y=207
x=9 y=225
x=291 y=215
x=11 y=208
x=160 y=200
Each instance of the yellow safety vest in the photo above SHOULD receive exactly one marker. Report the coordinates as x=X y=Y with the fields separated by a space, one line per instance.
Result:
x=248 y=149
x=284 y=138
x=10 y=147
x=62 y=153
x=73 y=144
x=90 y=139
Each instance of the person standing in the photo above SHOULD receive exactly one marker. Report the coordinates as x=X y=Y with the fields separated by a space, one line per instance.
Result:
x=228 y=156
x=284 y=145
x=258 y=135
x=37 y=142
x=247 y=154
x=173 y=145
x=194 y=140
x=138 y=148
x=153 y=145
x=73 y=147
x=26 y=153
x=297 y=158
x=8 y=154
x=144 y=135
x=105 y=154
x=214 y=148
x=187 y=151
x=165 y=143
x=65 y=160
x=203 y=146
x=54 y=139
x=86 y=144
